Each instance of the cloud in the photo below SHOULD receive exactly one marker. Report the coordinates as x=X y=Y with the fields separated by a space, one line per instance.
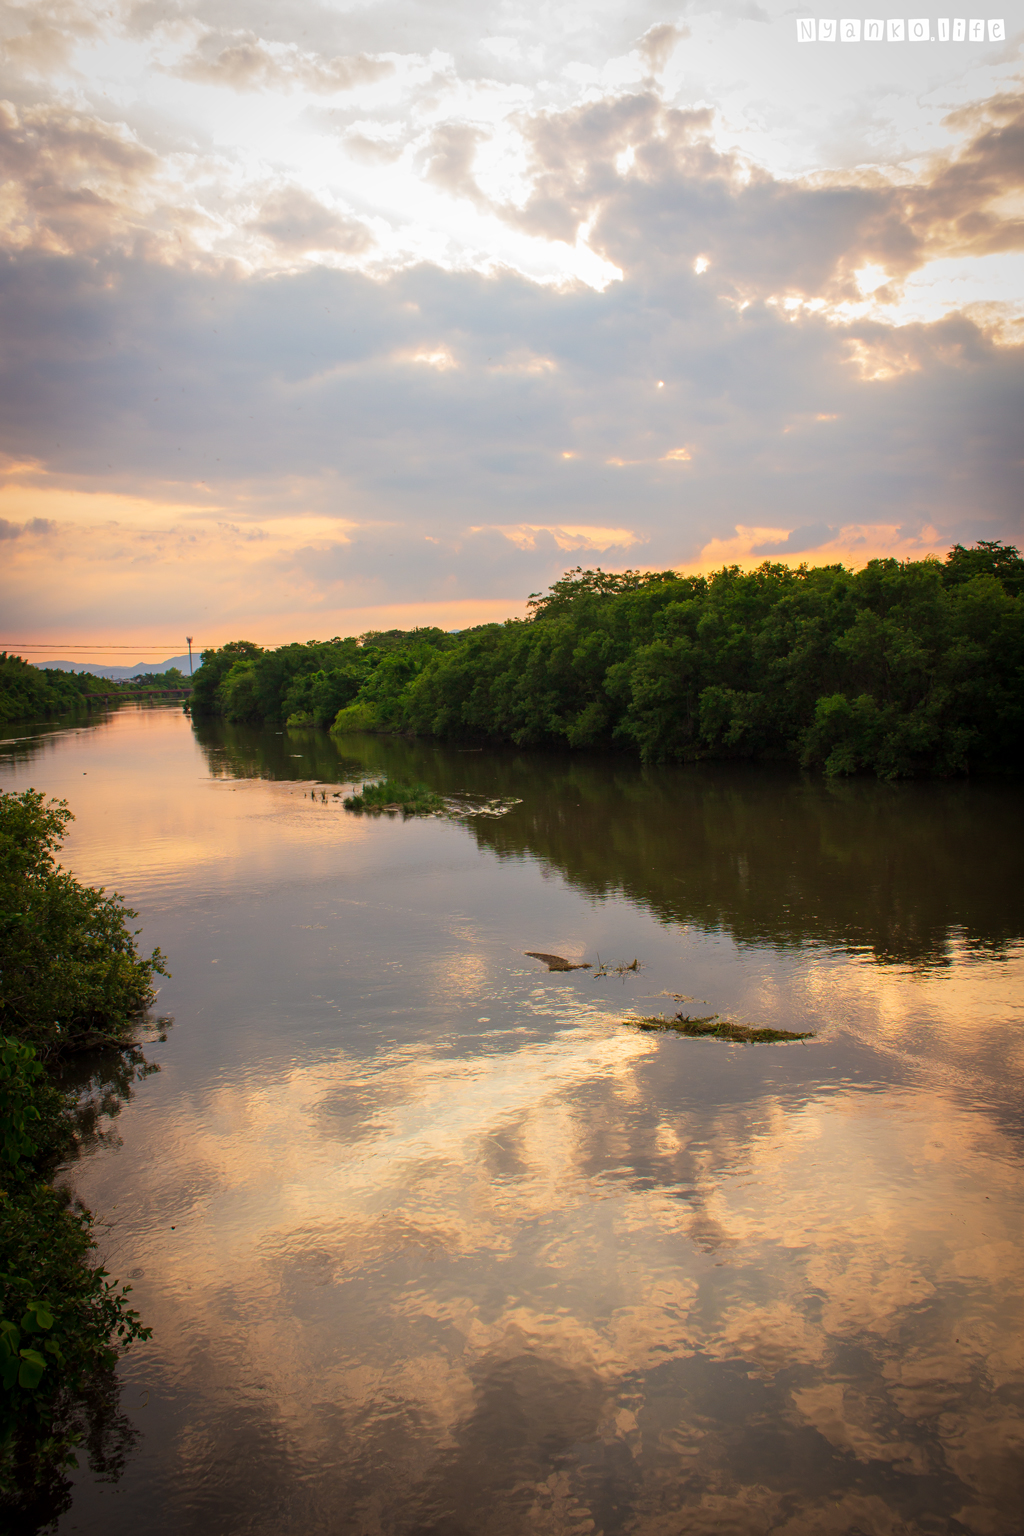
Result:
x=659 y=43
x=449 y=159
x=796 y=542
x=245 y=62
x=597 y=540
x=298 y=223
x=547 y=187
x=474 y=1159
x=70 y=181
x=42 y=37
x=38 y=526
x=760 y=235
x=260 y=403
x=424 y=342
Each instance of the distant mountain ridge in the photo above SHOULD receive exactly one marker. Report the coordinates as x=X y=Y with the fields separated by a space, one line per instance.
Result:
x=119 y=673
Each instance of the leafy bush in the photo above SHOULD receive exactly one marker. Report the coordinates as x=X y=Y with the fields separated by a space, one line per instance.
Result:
x=356 y=717
x=62 y=1321
x=71 y=974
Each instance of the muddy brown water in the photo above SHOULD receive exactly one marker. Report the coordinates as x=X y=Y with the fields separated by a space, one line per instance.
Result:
x=432 y=1243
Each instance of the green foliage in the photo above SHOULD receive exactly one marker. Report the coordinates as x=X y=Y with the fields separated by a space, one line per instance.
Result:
x=20 y=1114
x=33 y=693
x=245 y=683
x=986 y=558
x=70 y=972
x=389 y=794
x=144 y=682
x=385 y=640
x=63 y=1323
x=215 y=667
x=901 y=669
x=314 y=698
x=311 y=683
x=581 y=586
x=896 y=670
x=69 y=976
x=360 y=716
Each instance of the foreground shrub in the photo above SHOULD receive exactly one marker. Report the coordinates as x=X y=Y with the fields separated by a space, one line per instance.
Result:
x=70 y=977
x=70 y=973
x=62 y=1320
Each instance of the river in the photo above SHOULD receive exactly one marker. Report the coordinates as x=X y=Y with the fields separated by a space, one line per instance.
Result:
x=432 y=1241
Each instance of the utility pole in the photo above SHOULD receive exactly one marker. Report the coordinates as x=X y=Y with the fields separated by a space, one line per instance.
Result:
x=189 y=639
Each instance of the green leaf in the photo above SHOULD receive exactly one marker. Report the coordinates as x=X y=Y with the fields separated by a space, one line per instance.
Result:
x=37 y=1315
x=32 y=1367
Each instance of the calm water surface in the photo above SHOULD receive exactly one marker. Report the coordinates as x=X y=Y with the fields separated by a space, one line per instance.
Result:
x=432 y=1242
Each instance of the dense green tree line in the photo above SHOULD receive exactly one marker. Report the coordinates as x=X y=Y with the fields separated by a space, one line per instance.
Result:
x=901 y=668
x=309 y=684
x=33 y=693
x=71 y=978
x=36 y=693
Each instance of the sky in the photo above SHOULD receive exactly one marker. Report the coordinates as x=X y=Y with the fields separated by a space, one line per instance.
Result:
x=320 y=317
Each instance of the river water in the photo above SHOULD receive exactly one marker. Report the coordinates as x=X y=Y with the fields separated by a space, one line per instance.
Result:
x=432 y=1241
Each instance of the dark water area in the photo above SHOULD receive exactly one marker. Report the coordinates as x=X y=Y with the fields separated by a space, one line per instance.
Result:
x=433 y=1241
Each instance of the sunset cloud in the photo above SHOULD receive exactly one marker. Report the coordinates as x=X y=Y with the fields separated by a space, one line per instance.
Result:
x=244 y=62
x=479 y=299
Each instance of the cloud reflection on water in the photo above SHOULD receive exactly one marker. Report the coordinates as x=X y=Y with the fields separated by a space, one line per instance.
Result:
x=416 y=1239
x=432 y=1244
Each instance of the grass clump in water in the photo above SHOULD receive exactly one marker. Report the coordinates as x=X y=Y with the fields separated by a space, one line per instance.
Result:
x=714 y=1028
x=390 y=795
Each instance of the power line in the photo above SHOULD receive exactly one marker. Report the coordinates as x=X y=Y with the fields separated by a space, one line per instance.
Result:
x=59 y=645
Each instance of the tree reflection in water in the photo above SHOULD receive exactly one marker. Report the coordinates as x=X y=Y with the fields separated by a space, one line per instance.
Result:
x=781 y=858
x=433 y=1245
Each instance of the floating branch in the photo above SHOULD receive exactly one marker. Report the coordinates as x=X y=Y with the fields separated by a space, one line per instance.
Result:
x=557 y=962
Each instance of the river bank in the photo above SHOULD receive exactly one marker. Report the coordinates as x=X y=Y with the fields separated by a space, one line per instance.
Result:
x=906 y=669
x=71 y=980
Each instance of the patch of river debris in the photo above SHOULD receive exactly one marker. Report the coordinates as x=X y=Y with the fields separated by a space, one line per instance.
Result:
x=709 y=1026
x=478 y=806
x=558 y=962
x=389 y=795
x=605 y=968
x=713 y=1027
